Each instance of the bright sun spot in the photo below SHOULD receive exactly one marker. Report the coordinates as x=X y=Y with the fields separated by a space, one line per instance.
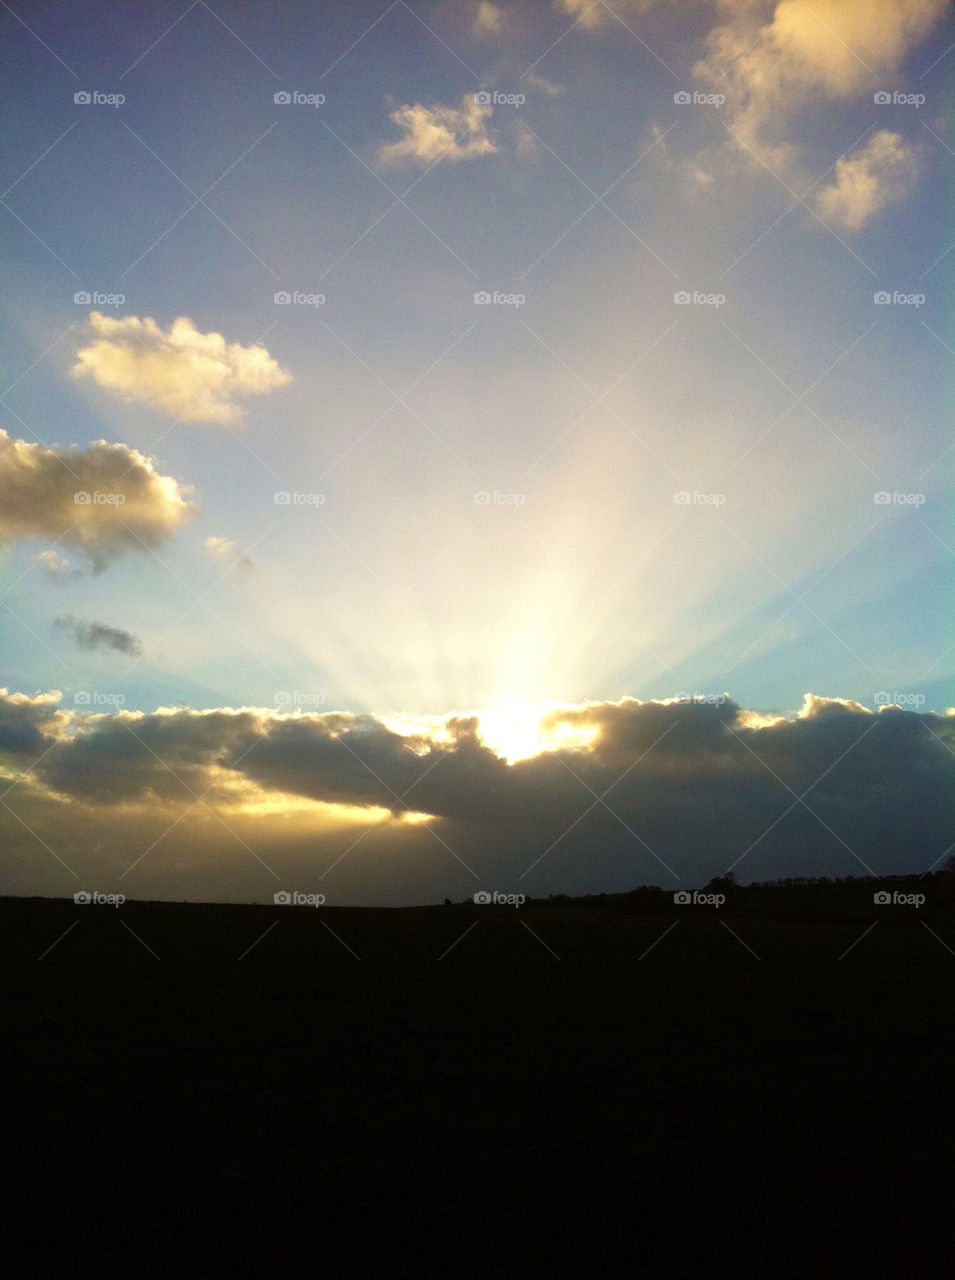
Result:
x=515 y=731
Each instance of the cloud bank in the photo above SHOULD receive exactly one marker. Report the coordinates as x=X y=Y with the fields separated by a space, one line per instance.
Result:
x=665 y=792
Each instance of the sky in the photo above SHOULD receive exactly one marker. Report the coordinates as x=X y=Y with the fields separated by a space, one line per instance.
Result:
x=465 y=446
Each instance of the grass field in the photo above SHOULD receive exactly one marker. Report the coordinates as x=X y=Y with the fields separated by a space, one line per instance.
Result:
x=567 y=1088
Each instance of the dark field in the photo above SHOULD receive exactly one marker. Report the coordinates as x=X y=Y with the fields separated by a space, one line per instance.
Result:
x=690 y=1109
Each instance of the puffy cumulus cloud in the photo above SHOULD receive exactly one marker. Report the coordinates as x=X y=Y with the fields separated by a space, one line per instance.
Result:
x=191 y=376
x=872 y=176
x=489 y=19
x=104 y=499
x=440 y=133
x=96 y=635
x=810 y=50
x=690 y=788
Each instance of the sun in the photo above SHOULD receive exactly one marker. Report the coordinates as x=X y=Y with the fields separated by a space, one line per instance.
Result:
x=513 y=730
x=518 y=730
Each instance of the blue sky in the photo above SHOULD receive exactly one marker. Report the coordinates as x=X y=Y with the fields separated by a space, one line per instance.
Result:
x=488 y=497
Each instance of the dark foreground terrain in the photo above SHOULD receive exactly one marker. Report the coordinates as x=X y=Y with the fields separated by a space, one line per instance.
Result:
x=607 y=1087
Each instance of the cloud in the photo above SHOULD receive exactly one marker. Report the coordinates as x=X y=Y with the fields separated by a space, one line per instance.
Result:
x=191 y=376
x=439 y=132
x=809 y=51
x=489 y=19
x=591 y=14
x=95 y=635
x=548 y=87
x=56 y=566
x=866 y=180
x=691 y=788
x=103 y=500
x=227 y=551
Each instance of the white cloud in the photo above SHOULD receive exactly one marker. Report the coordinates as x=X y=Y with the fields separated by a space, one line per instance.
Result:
x=227 y=551
x=810 y=48
x=439 y=132
x=489 y=19
x=866 y=180
x=192 y=376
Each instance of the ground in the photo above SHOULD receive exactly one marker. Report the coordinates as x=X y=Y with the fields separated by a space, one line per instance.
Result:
x=555 y=1093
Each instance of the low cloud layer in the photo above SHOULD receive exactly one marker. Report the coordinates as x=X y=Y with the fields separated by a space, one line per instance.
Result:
x=665 y=792
x=104 y=500
x=188 y=375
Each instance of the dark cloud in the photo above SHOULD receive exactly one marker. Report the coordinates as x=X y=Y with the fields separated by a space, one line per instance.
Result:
x=96 y=635
x=104 y=500
x=665 y=792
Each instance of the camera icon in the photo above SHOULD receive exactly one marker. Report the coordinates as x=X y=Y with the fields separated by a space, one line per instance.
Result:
x=881 y=97
x=482 y=498
x=682 y=897
x=483 y=99
x=682 y=298
x=283 y=498
x=282 y=899
x=82 y=498
x=681 y=97
x=83 y=98
x=882 y=499
x=682 y=498
x=282 y=98
x=82 y=699
x=882 y=298
x=82 y=299
x=82 y=898
x=882 y=899
x=281 y=298
x=882 y=699
x=482 y=297
x=482 y=897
